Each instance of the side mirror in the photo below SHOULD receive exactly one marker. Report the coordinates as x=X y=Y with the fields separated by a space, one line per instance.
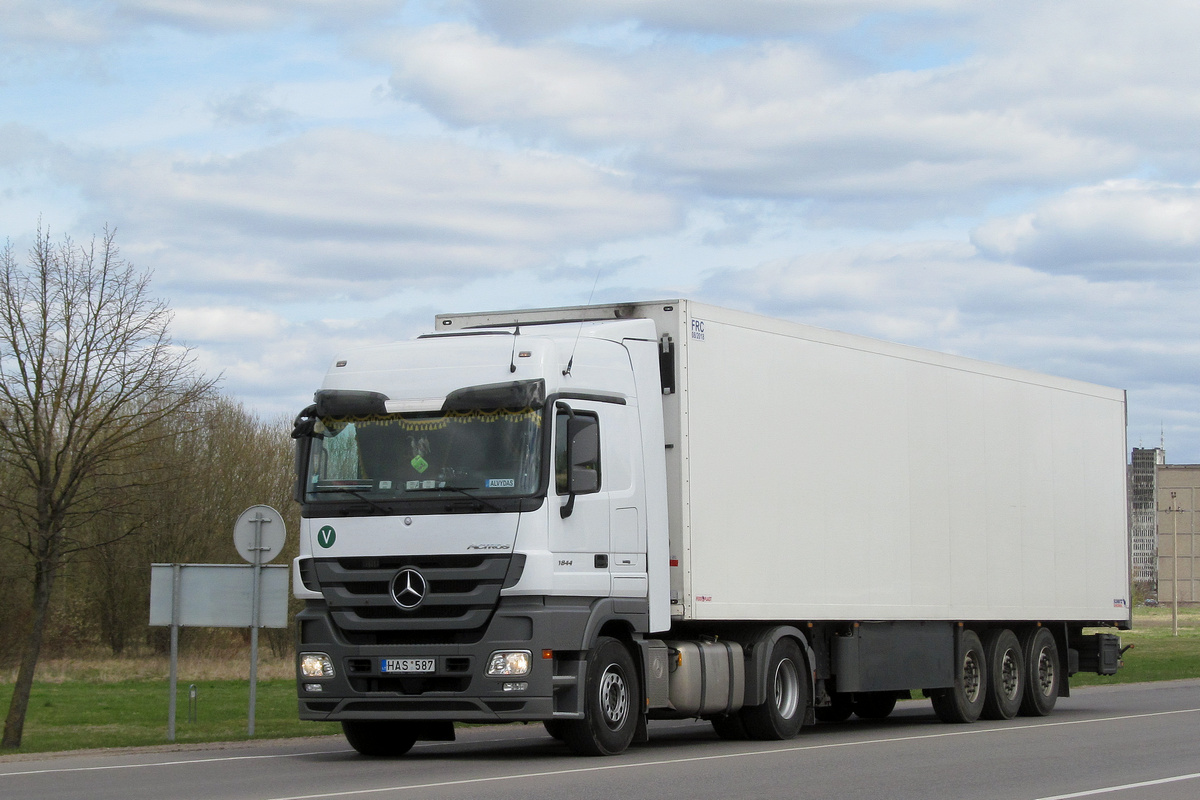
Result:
x=305 y=423
x=303 y=429
x=582 y=457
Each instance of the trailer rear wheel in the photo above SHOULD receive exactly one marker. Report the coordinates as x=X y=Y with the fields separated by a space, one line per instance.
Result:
x=1040 y=653
x=381 y=738
x=1006 y=674
x=611 y=702
x=781 y=716
x=963 y=702
x=874 y=705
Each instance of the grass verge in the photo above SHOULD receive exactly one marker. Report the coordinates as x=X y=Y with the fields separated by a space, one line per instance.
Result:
x=73 y=715
x=1157 y=655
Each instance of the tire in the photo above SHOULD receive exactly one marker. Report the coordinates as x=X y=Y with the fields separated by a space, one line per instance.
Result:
x=839 y=709
x=788 y=696
x=964 y=701
x=873 y=705
x=380 y=738
x=554 y=727
x=612 y=702
x=1043 y=673
x=730 y=727
x=1006 y=674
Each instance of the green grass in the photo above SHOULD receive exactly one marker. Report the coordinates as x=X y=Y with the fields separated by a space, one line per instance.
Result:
x=1157 y=655
x=75 y=715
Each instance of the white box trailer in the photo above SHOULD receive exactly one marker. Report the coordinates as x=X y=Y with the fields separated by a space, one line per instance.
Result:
x=868 y=480
x=727 y=516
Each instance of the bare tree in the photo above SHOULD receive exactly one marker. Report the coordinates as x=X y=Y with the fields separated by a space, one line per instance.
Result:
x=88 y=372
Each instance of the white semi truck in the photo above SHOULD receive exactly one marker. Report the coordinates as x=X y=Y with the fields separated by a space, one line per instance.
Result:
x=601 y=515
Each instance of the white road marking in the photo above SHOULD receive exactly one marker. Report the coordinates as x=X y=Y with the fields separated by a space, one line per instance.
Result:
x=1107 y=789
x=721 y=756
x=167 y=763
x=661 y=762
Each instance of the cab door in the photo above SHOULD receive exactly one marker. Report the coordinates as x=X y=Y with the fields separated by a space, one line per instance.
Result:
x=598 y=531
x=580 y=536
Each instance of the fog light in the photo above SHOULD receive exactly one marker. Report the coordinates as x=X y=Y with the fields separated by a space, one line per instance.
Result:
x=313 y=687
x=508 y=662
x=516 y=687
x=316 y=665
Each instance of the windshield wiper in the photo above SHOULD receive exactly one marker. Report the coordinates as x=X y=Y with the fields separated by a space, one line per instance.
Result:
x=465 y=491
x=355 y=490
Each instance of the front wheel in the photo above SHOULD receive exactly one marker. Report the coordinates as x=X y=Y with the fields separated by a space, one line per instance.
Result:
x=380 y=738
x=787 y=696
x=611 y=704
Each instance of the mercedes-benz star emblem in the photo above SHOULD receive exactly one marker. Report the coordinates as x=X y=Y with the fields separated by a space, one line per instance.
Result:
x=409 y=588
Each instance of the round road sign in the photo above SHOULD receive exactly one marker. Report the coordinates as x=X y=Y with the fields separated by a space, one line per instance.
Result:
x=266 y=524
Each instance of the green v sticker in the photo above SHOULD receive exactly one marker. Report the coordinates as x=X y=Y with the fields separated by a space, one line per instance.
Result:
x=326 y=536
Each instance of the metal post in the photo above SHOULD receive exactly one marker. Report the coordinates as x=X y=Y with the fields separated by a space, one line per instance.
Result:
x=176 y=580
x=258 y=521
x=1174 y=567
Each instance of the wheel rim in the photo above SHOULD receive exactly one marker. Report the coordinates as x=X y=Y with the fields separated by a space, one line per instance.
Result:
x=972 y=685
x=787 y=688
x=1045 y=672
x=614 y=697
x=1010 y=675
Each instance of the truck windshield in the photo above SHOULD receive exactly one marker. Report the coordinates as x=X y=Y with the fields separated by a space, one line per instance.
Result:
x=380 y=458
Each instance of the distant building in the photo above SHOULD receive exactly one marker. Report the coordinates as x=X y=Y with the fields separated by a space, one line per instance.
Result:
x=1143 y=515
x=1178 y=489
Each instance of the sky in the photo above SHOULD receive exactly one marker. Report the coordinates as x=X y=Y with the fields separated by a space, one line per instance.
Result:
x=1012 y=181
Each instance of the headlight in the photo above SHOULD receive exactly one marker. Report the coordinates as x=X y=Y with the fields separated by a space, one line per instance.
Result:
x=316 y=665
x=505 y=663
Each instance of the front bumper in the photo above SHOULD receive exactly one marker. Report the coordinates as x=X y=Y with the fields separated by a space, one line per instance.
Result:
x=458 y=688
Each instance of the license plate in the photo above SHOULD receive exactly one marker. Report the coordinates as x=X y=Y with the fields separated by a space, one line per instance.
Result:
x=408 y=665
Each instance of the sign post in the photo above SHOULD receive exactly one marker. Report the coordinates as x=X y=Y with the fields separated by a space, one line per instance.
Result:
x=176 y=576
x=225 y=595
x=253 y=545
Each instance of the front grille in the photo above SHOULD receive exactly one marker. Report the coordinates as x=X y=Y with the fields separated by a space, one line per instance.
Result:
x=462 y=592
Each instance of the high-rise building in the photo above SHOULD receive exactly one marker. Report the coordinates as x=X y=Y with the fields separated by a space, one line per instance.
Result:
x=1143 y=513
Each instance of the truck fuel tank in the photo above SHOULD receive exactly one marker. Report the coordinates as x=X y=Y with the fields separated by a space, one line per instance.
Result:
x=706 y=678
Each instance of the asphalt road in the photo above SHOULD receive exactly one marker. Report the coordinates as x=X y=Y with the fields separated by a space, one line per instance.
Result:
x=1138 y=742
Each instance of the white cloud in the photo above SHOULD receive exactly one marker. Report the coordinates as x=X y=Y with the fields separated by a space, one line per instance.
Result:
x=251 y=105
x=1119 y=227
x=32 y=23
x=745 y=17
x=84 y=23
x=355 y=213
x=242 y=15
x=224 y=324
x=777 y=119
